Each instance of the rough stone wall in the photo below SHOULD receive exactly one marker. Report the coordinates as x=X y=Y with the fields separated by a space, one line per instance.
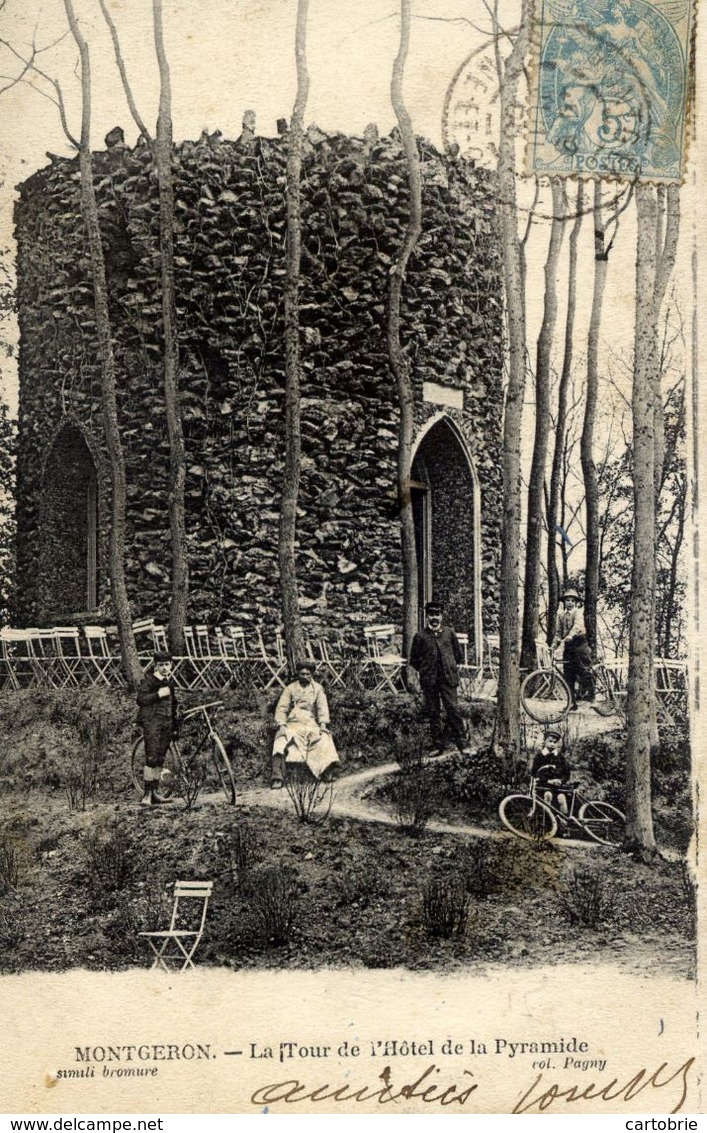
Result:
x=230 y=242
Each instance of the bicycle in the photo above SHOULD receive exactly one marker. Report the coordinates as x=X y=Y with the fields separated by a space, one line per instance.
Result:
x=530 y=817
x=208 y=758
x=546 y=697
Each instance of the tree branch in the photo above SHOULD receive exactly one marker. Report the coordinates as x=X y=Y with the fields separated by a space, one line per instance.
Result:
x=120 y=62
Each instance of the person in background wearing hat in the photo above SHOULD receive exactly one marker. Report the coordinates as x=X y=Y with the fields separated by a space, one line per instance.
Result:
x=551 y=770
x=157 y=716
x=435 y=654
x=571 y=633
x=302 y=718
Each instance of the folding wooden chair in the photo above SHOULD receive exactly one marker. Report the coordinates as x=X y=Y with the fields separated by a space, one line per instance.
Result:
x=273 y=662
x=143 y=629
x=44 y=660
x=196 y=894
x=384 y=660
x=233 y=652
x=333 y=663
x=204 y=663
x=71 y=664
x=16 y=657
x=101 y=665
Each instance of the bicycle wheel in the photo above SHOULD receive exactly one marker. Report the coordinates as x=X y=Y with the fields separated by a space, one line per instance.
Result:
x=545 y=696
x=170 y=770
x=224 y=770
x=603 y=822
x=527 y=817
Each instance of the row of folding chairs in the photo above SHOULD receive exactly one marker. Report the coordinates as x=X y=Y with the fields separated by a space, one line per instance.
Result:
x=215 y=658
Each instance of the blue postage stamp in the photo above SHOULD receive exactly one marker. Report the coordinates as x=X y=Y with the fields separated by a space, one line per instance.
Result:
x=611 y=86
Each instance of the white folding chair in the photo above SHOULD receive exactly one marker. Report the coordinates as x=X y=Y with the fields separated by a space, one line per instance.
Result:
x=203 y=661
x=384 y=661
x=101 y=665
x=41 y=649
x=16 y=656
x=71 y=663
x=671 y=690
x=331 y=660
x=195 y=895
x=273 y=662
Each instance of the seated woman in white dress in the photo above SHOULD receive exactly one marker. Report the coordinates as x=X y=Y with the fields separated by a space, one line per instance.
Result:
x=302 y=718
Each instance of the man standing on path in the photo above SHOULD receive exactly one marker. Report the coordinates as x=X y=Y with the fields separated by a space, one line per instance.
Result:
x=436 y=654
x=571 y=633
x=157 y=716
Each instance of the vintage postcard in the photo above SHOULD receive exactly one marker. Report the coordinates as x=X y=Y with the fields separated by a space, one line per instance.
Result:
x=352 y=588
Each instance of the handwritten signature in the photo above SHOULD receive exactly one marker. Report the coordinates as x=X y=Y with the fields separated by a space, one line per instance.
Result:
x=540 y=1095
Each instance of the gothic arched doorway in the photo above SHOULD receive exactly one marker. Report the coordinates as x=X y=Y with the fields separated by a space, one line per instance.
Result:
x=69 y=577
x=445 y=500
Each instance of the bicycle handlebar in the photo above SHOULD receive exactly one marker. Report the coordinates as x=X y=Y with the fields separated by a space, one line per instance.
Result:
x=201 y=708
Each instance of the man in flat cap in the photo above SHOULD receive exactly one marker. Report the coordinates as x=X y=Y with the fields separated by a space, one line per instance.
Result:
x=571 y=633
x=157 y=716
x=303 y=737
x=435 y=654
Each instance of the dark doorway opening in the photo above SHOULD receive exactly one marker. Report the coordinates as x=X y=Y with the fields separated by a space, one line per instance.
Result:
x=69 y=581
x=445 y=510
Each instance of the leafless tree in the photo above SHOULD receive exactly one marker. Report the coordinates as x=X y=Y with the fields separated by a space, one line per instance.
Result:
x=294 y=635
x=511 y=71
x=398 y=361
x=161 y=149
x=89 y=209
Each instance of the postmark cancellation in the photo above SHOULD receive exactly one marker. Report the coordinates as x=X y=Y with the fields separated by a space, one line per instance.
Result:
x=610 y=89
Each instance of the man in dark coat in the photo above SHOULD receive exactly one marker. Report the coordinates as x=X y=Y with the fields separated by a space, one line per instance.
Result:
x=157 y=716
x=436 y=654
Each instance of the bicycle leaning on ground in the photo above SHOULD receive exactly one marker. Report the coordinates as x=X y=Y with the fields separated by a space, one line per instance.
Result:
x=546 y=697
x=203 y=754
x=529 y=816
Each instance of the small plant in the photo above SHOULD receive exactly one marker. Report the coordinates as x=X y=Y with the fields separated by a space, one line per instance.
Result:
x=80 y=779
x=411 y=798
x=445 y=907
x=110 y=858
x=310 y=797
x=10 y=866
x=190 y=780
x=360 y=884
x=585 y=899
x=238 y=855
x=274 y=903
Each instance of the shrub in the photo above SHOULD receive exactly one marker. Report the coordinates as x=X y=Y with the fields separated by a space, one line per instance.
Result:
x=79 y=778
x=361 y=884
x=310 y=797
x=10 y=865
x=274 y=903
x=411 y=797
x=445 y=907
x=492 y=866
x=110 y=859
x=586 y=898
x=240 y=854
x=190 y=779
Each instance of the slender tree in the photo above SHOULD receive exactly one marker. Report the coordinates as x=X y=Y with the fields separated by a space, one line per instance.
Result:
x=553 y=507
x=105 y=349
x=161 y=149
x=536 y=484
x=640 y=837
x=510 y=73
x=294 y=635
x=398 y=362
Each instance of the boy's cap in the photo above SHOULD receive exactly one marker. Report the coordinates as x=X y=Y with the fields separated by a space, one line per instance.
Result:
x=433 y=608
x=159 y=656
x=553 y=735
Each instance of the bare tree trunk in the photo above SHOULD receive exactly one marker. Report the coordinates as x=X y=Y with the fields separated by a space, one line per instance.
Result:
x=589 y=471
x=175 y=432
x=640 y=838
x=162 y=151
x=553 y=587
x=131 y=662
x=508 y=707
x=161 y=148
x=294 y=635
x=398 y=361
x=531 y=587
